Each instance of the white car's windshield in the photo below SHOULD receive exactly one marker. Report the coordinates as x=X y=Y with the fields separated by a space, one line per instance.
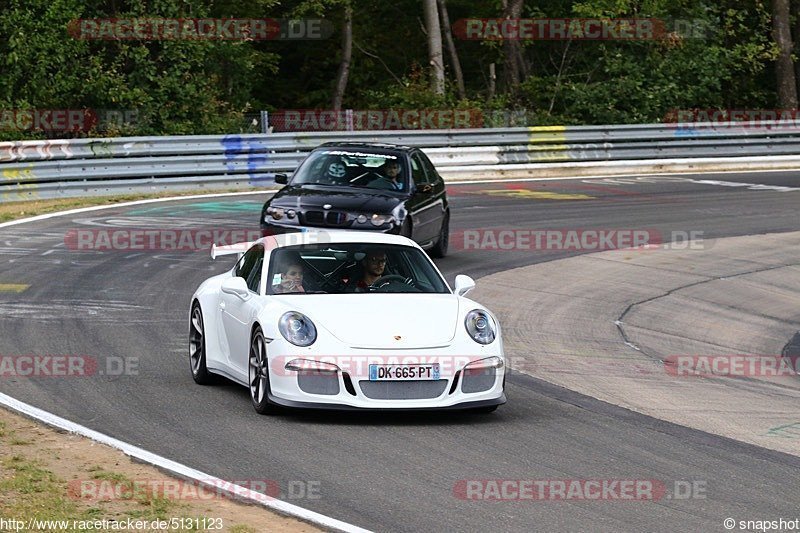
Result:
x=352 y=268
x=353 y=168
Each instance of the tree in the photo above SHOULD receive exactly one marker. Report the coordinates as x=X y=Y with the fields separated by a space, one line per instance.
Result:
x=784 y=67
x=434 y=46
x=347 y=54
x=515 y=68
x=451 y=49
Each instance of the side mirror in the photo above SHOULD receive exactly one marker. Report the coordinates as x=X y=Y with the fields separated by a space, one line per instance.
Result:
x=281 y=179
x=464 y=284
x=236 y=286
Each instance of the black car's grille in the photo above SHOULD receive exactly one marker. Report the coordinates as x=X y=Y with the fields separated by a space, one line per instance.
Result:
x=336 y=219
x=329 y=219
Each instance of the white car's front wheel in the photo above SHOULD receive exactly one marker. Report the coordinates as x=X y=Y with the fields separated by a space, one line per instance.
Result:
x=258 y=373
x=197 y=348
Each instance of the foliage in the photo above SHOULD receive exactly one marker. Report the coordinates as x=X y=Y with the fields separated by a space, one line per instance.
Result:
x=207 y=86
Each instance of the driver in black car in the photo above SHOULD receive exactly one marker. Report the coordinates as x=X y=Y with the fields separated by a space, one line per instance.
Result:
x=392 y=178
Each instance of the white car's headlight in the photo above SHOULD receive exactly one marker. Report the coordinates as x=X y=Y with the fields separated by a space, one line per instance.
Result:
x=480 y=326
x=297 y=328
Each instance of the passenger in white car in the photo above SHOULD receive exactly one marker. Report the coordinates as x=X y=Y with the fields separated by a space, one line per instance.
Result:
x=291 y=278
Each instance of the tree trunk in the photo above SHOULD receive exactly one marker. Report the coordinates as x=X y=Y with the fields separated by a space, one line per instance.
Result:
x=347 y=54
x=784 y=68
x=514 y=66
x=796 y=40
x=434 y=46
x=492 y=80
x=451 y=48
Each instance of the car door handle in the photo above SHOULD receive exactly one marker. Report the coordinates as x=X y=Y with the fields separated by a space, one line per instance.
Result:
x=222 y=306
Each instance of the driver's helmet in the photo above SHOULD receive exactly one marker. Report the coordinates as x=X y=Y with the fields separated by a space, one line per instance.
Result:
x=336 y=169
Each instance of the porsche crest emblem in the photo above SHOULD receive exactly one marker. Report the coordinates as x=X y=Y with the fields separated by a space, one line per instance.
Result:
x=397 y=337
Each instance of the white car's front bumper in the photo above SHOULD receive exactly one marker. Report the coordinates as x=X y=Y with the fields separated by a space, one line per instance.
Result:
x=350 y=386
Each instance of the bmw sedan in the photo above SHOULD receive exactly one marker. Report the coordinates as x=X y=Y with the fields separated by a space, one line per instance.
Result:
x=363 y=186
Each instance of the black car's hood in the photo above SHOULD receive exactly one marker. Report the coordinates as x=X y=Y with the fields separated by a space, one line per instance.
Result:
x=349 y=199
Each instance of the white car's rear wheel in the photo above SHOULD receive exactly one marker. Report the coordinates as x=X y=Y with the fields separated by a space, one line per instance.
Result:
x=258 y=373
x=197 y=348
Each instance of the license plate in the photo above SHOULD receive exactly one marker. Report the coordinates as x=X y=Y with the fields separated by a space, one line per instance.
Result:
x=403 y=372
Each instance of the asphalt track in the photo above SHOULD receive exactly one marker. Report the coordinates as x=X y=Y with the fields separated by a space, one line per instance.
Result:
x=391 y=472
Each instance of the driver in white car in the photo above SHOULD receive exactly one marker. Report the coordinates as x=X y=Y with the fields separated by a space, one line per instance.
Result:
x=373 y=266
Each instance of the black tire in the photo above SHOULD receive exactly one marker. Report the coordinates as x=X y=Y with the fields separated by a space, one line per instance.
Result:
x=197 y=348
x=258 y=375
x=440 y=248
x=405 y=229
x=486 y=410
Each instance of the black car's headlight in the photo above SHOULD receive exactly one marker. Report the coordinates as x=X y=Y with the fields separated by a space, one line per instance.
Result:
x=376 y=219
x=297 y=328
x=275 y=212
x=380 y=220
x=480 y=327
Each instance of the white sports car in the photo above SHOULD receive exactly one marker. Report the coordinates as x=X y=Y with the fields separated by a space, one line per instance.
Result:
x=345 y=320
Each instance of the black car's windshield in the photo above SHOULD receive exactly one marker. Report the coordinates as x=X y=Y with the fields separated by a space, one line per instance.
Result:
x=352 y=268
x=353 y=168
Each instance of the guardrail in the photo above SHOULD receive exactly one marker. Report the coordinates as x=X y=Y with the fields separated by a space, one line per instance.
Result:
x=54 y=168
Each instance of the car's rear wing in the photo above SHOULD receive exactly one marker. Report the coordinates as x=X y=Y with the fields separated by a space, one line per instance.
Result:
x=229 y=249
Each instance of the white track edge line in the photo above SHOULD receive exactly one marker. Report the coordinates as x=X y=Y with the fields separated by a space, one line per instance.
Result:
x=201 y=478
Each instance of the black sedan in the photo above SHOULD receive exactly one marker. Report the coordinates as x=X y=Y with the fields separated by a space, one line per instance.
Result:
x=363 y=186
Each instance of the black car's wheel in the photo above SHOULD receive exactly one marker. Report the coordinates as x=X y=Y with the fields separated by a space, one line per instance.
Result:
x=405 y=229
x=197 y=348
x=440 y=248
x=258 y=374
